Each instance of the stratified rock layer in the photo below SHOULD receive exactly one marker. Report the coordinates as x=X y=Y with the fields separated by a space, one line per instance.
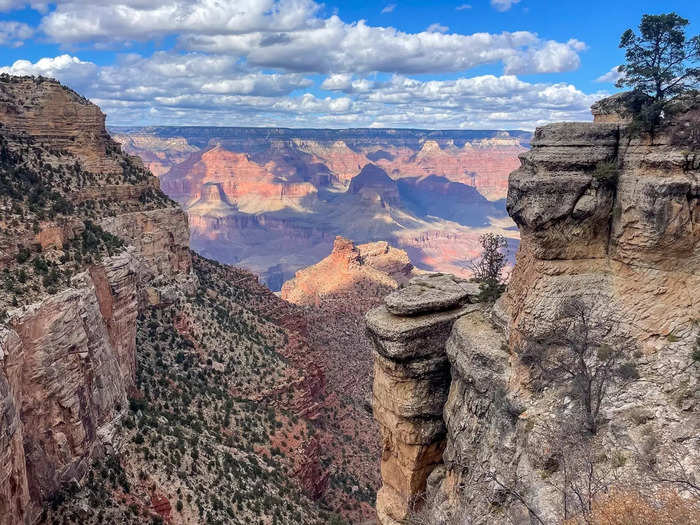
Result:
x=55 y=115
x=605 y=216
x=411 y=379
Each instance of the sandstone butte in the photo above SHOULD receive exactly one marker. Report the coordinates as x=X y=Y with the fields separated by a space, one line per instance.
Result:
x=465 y=434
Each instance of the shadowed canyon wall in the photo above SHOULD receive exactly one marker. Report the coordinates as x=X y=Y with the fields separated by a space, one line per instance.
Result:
x=273 y=200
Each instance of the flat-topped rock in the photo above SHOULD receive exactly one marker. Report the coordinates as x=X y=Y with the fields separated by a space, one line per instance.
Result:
x=431 y=293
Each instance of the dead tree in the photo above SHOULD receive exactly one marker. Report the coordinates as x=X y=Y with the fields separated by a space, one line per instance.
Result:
x=577 y=351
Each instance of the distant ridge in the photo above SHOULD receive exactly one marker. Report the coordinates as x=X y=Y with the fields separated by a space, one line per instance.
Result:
x=200 y=135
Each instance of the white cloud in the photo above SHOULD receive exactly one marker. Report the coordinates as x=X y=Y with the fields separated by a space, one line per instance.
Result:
x=611 y=76
x=437 y=28
x=247 y=63
x=9 y=5
x=550 y=57
x=337 y=47
x=168 y=88
x=344 y=82
x=503 y=5
x=290 y=35
x=462 y=7
x=147 y=19
x=388 y=9
x=338 y=82
x=66 y=68
x=14 y=34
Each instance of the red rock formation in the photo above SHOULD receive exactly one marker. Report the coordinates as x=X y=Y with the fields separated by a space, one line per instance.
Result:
x=238 y=176
x=342 y=161
x=484 y=164
x=355 y=271
x=70 y=360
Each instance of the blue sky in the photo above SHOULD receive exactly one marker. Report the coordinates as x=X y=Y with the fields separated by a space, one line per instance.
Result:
x=447 y=64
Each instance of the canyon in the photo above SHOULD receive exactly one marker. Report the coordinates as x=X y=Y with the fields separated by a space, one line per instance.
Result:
x=140 y=381
x=477 y=424
x=273 y=200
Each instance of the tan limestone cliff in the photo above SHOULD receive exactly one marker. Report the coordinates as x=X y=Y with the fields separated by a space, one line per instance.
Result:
x=411 y=381
x=57 y=116
x=609 y=218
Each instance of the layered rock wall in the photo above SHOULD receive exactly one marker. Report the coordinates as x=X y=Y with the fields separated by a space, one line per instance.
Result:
x=609 y=218
x=67 y=365
x=411 y=381
x=59 y=117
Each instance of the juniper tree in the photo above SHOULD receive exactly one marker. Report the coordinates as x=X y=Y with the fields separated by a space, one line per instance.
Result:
x=661 y=61
x=488 y=269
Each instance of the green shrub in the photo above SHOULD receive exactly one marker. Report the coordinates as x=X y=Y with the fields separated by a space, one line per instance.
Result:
x=606 y=172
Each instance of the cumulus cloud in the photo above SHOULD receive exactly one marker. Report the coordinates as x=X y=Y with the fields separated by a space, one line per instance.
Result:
x=462 y=7
x=66 y=68
x=611 y=76
x=290 y=35
x=337 y=47
x=344 y=82
x=388 y=9
x=169 y=88
x=9 y=5
x=503 y=5
x=14 y=34
x=141 y=19
x=255 y=62
x=550 y=57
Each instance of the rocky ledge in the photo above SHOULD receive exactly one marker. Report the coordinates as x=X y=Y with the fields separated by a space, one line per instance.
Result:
x=411 y=381
x=473 y=430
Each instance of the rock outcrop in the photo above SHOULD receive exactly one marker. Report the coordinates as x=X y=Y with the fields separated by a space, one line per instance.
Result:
x=68 y=337
x=607 y=218
x=51 y=114
x=351 y=277
x=71 y=363
x=411 y=382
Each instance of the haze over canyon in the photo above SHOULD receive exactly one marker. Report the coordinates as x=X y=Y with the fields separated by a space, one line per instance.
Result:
x=273 y=200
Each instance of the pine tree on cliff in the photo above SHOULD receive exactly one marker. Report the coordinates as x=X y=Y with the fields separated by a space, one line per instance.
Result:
x=661 y=61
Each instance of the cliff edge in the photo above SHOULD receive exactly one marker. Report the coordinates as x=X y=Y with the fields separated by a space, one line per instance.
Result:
x=487 y=416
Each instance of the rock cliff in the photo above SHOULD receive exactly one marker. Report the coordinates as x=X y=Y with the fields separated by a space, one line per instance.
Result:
x=48 y=112
x=609 y=223
x=68 y=343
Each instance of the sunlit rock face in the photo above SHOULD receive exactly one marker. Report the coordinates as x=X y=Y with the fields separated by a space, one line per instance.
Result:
x=606 y=216
x=282 y=196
